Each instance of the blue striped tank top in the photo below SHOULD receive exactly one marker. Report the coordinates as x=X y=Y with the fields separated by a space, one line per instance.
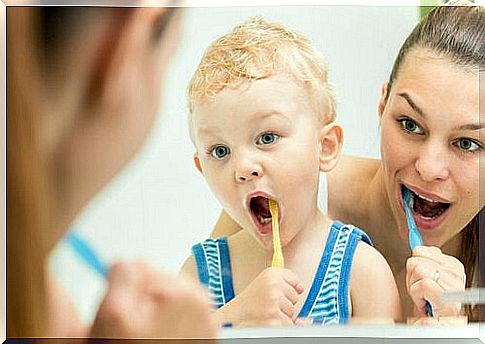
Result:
x=327 y=300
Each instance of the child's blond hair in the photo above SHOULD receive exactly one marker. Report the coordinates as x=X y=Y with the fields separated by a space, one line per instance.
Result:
x=257 y=49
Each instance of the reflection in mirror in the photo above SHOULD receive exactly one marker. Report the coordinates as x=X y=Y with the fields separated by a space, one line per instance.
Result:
x=268 y=139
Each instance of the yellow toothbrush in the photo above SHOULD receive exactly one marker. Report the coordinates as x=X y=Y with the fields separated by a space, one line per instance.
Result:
x=278 y=260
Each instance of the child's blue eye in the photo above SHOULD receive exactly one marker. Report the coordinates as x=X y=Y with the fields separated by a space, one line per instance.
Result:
x=411 y=126
x=267 y=139
x=219 y=152
x=467 y=145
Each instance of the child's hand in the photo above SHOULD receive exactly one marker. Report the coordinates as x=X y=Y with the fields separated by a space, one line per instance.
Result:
x=142 y=302
x=429 y=272
x=268 y=301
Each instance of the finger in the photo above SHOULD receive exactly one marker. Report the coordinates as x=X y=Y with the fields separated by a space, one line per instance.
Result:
x=122 y=273
x=293 y=280
x=303 y=321
x=285 y=319
x=420 y=291
x=421 y=271
x=426 y=289
x=287 y=307
x=418 y=268
x=447 y=279
x=290 y=293
x=423 y=321
x=435 y=254
x=426 y=251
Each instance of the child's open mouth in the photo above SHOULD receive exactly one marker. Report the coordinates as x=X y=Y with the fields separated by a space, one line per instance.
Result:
x=260 y=213
x=427 y=213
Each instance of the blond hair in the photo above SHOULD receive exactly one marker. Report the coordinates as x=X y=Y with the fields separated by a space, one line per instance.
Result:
x=257 y=49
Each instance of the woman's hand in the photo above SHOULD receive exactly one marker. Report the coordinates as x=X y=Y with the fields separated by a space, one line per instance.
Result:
x=268 y=301
x=144 y=303
x=429 y=273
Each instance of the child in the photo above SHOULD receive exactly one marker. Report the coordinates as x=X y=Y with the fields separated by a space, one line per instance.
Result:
x=262 y=122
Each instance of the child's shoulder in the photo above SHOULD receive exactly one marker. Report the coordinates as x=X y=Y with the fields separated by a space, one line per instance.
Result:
x=373 y=290
x=369 y=267
x=200 y=251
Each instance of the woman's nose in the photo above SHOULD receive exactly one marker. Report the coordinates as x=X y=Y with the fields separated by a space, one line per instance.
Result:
x=433 y=162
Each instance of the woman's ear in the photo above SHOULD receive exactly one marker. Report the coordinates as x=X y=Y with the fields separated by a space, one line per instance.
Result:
x=383 y=99
x=331 y=140
x=125 y=60
x=197 y=164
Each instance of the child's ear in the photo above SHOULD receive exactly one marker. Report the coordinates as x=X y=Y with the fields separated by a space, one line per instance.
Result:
x=331 y=140
x=197 y=164
x=382 y=100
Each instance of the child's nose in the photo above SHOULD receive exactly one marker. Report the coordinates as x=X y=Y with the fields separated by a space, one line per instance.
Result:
x=247 y=170
x=248 y=176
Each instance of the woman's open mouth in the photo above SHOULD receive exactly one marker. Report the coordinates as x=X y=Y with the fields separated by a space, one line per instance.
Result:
x=427 y=213
x=260 y=213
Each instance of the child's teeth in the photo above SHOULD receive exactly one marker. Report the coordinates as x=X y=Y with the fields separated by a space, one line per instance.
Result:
x=264 y=220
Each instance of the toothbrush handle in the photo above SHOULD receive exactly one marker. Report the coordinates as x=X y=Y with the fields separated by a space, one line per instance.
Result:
x=86 y=253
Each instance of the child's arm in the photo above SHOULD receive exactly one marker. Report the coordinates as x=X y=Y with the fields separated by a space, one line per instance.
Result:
x=373 y=291
x=225 y=226
x=268 y=300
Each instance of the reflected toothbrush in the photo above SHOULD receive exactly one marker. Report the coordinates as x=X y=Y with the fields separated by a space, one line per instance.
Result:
x=86 y=253
x=413 y=233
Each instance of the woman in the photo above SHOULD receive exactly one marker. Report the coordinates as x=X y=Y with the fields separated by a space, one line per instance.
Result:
x=83 y=90
x=430 y=144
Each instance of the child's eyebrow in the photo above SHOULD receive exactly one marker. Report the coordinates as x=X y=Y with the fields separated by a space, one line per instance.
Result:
x=206 y=131
x=269 y=114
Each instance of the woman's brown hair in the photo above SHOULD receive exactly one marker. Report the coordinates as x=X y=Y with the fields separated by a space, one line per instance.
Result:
x=28 y=203
x=458 y=34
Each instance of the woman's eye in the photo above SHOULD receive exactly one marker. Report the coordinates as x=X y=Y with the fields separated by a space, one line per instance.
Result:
x=219 y=152
x=467 y=145
x=267 y=138
x=411 y=126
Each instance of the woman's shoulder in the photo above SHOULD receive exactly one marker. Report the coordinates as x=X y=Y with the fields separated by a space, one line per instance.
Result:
x=348 y=182
x=354 y=168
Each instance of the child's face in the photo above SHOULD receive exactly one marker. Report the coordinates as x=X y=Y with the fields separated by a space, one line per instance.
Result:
x=431 y=143
x=260 y=142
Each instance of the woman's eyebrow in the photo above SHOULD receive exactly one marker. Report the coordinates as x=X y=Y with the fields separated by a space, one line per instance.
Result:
x=472 y=126
x=411 y=103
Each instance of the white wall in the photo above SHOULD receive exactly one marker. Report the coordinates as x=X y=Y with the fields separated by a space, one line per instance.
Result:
x=159 y=206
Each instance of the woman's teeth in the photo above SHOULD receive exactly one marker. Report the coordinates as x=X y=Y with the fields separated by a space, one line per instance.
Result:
x=426 y=199
x=426 y=208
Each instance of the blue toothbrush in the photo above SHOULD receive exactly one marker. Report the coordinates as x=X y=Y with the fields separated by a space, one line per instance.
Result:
x=414 y=237
x=86 y=253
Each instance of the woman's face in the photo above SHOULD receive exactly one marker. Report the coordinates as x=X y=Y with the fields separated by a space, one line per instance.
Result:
x=431 y=143
x=113 y=120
